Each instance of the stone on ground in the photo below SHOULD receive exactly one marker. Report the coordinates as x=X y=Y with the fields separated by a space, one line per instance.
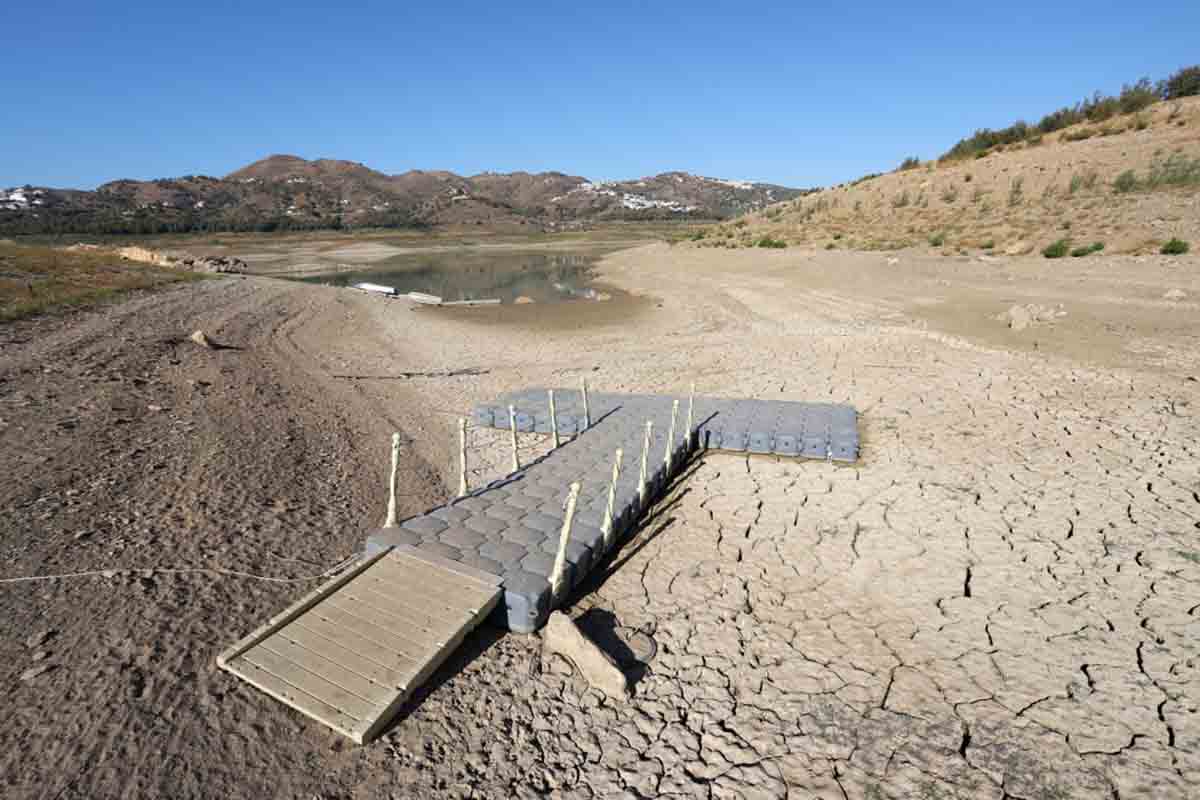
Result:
x=562 y=637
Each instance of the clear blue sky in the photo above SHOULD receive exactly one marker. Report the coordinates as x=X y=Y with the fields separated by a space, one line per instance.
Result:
x=790 y=92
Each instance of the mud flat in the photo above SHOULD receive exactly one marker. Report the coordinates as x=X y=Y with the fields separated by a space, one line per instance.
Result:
x=998 y=599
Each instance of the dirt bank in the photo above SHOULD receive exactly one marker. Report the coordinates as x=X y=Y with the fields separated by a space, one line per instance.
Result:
x=998 y=601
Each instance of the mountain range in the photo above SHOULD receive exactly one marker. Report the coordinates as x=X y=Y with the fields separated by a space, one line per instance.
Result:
x=284 y=192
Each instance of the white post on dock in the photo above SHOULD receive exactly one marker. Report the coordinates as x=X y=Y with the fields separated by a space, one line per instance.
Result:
x=512 y=426
x=390 y=522
x=560 y=558
x=462 y=456
x=645 y=459
x=553 y=419
x=607 y=527
x=587 y=410
x=668 y=457
x=691 y=434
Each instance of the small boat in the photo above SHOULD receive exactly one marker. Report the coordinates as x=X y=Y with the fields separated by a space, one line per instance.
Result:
x=376 y=288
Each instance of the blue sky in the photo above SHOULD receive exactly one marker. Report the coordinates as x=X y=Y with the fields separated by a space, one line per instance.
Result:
x=794 y=93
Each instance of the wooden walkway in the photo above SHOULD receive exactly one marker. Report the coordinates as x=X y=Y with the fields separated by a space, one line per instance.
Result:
x=350 y=653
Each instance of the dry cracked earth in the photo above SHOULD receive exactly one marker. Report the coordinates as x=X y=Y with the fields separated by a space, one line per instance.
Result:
x=1000 y=600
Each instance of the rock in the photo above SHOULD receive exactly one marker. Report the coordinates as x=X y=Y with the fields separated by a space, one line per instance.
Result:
x=39 y=638
x=599 y=669
x=35 y=672
x=199 y=338
x=523 y=300
x=1018 y=318
x=1175 y=294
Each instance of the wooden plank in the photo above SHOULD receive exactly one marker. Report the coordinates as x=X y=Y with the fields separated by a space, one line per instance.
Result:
x=393 y=640
x=329 y=669
x=458 y=590
x=368 y=729
x=439 y=588
x=310 y=683
x=408 y=551
x=297 y=608
x=334 y=651
x=306 y=704
x=407 y=628
x=360 y=645
x=405 y=607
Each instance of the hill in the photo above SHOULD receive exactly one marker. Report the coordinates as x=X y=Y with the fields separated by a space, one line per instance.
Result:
x=1131 y=183
x=285 y=192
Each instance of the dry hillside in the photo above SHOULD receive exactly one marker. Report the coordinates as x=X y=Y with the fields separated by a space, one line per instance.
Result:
x=1015 y=199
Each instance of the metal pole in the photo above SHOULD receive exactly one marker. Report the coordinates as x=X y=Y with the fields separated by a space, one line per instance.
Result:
x=512 y=426
x=560 y=558
x=645 y=458
x=587 y=410
x=671 y=437
x=390 y=522
x=553 y=419
x=607 y=527
x=462 y=456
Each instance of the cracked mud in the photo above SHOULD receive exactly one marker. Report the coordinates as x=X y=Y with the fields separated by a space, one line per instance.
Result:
x=1000 y=600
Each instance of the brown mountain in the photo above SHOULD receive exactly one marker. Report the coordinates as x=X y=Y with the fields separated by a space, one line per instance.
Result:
x=288 y=192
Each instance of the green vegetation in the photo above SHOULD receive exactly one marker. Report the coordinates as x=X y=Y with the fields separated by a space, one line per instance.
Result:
x=1126 y=182
x=1184 y=83
x=1175 y=247
x=1098 y=108
x=912 y=162
x=1087 y=250
x=767 y=241
x=901 y=200
x=989 y=244
x=938 y=239
x=1085 y=181
x=949 y=195
x=1016 y=191
x=1058 y=249
x=1174 y=171
x=34 y=280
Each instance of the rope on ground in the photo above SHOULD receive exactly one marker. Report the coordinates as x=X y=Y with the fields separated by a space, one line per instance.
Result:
x=114 y=571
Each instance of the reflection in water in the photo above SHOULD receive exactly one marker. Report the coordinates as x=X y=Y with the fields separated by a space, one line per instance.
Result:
x=542 y=277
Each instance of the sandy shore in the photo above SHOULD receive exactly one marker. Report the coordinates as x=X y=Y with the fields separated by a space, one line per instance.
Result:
x=999 y=600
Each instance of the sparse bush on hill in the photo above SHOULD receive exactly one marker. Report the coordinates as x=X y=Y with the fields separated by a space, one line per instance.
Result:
x=767 y=241
x=901 y=200
x=1058 y=249
x=1175 y=247
x=1184 y=83
x=1125 y=182
x=1098 y=108
x=938 y=239
x=1087 y=250
x=912 y=162
x=1016 y=191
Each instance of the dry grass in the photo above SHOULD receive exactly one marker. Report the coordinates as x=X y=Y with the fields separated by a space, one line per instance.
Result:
x=1017 y=198
x=34 y=280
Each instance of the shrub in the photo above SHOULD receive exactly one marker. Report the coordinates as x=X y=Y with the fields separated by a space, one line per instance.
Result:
x=938 y=239
x=912 y=162
x=767 y=241
x=1016 y=191
x=949 y=195
x=1176 y=170
x=977 y=195
x=989 y=244
x=830 y=246
x=1126 y=182
x=1034 y=141
x=1058 y=249
x=901 y=200
x=1140 y=123
x=1078 y=135
x=1087 y=250
x=1184 y=83
x=1135 y=97
x=1175 y=247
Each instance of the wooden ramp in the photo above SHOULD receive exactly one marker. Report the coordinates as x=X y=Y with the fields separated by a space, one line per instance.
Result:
x=350 y=653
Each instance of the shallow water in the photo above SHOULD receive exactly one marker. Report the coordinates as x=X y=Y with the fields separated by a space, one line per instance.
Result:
x=478 y=275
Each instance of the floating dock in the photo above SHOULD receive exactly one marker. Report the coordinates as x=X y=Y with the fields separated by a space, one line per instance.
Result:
x=350 y=653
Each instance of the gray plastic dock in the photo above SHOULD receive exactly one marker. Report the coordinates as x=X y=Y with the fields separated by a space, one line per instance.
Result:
x=510 y=528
